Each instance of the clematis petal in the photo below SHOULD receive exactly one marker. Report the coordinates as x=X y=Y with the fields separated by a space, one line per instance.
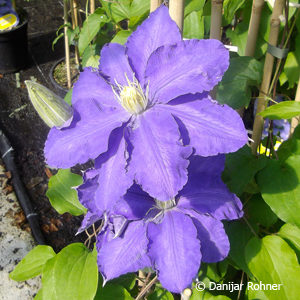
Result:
x=84 y=139
x=114 y=63
x=206 y=193
x=159 y=29
x=214 y=241
x=91 y=86
x=113 y=180
x=124 y=254
x=175 y=251
x=192 y=66
x=86 y=192
x=135 y=204
x=212 y=128
x=159 y=161
x=88 y=220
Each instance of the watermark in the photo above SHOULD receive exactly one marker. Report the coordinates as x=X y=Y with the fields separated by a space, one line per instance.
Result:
x=231 y=286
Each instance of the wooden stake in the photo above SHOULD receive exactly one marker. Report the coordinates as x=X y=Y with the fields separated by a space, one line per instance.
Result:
x=216 y=19
x=92 y=6
x=154 y=4
x=67 y=49
x=74 y=11
x=268 y=68
x=296 y=120
x=176 y=9
x=257 y=7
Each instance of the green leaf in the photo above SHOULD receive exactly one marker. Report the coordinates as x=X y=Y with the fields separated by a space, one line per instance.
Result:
x=71 y=274
x=121 y=37
x=32 y=264
x=127 y=281
x=193 y=6
x=160 y=294
x=235 y=87
x=62 y=195
x=216 y=271
x=68 y=97
x=239 y=235
x=93 y=61
x=239 y=36
x=230 y=8
x=256 y=294
x=90 y=28
x=57 y=39
x=291 y=234
x=139 y=8
x=291 y=70
x=279 y=184
x=272 y=261
x=120 y=10
x=290 y=146
x=113 y=292
x=259 y=212
x=194 y=26
x=282 y=110
x=205 y=295
x=39 y=295
x=240 y=169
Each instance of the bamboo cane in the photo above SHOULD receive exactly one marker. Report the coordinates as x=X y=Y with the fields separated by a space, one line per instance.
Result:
x=257 y=7
x=154 y=4
x=73 y=13
x=67 y=49
x=268 y=67
x=216 y=19
x=92 y=6
x=295 y=121
x=176 y=9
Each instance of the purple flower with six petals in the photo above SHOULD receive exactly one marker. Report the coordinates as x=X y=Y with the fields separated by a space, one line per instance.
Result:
x=172 y=237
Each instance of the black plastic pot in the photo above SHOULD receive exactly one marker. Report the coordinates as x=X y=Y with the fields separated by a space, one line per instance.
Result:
x=14 y=47
x=59 y=90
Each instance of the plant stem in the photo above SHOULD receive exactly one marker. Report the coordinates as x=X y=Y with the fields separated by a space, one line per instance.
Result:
x=67 y=49
x=92 y=6
x=257 y=7
x=13 y=3
x=216 y=19
x=145 y=290
x=142 y=275
x=154 y=4
x=295 y=120
x=268 y=68
x=176 y=9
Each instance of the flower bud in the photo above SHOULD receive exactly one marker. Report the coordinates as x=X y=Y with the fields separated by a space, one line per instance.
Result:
x=53 y=110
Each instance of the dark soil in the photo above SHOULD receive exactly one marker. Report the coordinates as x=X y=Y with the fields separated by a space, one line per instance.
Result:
x=23 y=127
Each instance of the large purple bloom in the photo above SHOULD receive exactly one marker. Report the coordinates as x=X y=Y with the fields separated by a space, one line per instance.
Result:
x=172 y=237
x=145 y=109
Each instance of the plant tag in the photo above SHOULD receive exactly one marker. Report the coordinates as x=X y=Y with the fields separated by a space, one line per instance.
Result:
x=7 y=21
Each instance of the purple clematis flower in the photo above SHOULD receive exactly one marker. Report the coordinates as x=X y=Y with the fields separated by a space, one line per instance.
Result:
x=145 y=109
x=172 y=237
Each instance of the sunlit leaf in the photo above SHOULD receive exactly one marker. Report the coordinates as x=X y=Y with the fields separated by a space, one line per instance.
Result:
x=62 y=195
x=32 y=264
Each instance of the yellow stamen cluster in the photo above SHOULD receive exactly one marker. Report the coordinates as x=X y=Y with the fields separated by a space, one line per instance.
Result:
x=131 y=96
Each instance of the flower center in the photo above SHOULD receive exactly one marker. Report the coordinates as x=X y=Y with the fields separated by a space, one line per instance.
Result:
x=131 y=96
x=164 y=205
